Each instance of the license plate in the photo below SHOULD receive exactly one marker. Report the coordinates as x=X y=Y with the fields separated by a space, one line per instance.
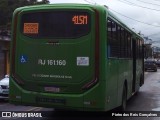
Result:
x=5 y=92
x=149 y=68
x=51 y=100
x=52 y=89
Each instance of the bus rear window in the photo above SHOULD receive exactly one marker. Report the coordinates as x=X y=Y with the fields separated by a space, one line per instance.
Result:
x=55 y=24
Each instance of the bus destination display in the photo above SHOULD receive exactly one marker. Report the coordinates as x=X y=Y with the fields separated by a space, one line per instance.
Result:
x=80 y=19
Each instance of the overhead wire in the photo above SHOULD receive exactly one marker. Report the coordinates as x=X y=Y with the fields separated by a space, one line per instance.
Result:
x=90 y=2
x=154 y=34
x=130 y=17
x=134 y=19
x=157 y=0
x=133 y=4
x=130 y=3
x=148 y=3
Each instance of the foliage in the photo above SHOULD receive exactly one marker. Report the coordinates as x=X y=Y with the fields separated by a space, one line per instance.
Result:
x=8 y=6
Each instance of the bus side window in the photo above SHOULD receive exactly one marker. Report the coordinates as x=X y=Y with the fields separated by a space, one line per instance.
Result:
x=122 y=48
x=109 y=36
x=141 y=49
x=129 y=45
x=112 y=39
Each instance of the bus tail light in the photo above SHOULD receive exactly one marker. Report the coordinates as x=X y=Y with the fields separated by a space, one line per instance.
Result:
x=90 y=84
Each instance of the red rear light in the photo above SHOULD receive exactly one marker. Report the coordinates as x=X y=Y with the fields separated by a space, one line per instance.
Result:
x=90 y=84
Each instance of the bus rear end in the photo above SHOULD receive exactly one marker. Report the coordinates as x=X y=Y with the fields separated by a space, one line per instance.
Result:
x=55 y=57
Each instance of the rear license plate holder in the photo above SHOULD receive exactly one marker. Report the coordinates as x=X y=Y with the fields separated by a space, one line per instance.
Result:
x=52 y=89
x=50 y=100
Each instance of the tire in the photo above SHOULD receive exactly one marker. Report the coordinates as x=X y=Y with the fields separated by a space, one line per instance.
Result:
x=141 y=80
x=124 y=99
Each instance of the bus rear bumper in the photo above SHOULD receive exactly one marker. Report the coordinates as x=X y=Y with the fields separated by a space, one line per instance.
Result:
x=91 y=100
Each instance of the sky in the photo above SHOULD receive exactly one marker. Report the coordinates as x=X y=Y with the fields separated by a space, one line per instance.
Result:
x=140 y=15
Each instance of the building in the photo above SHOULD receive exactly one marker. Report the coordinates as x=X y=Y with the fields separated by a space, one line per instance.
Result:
x=156 y=52
x=4 y=55
x=147 y=51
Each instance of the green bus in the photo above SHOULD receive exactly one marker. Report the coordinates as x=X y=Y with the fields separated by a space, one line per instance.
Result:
x=73 y=56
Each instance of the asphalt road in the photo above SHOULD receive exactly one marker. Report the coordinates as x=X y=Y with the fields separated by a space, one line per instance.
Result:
x=147 y=100
x=148 y=97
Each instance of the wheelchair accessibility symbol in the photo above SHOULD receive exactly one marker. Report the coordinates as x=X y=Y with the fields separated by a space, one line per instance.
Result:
x=23 y=58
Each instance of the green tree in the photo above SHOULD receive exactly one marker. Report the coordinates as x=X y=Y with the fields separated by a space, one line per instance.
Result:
x=8 y=6
x=44 y=2
x=3 y=11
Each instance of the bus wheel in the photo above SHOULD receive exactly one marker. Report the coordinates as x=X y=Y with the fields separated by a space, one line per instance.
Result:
x=141 y=80
x=124 y=99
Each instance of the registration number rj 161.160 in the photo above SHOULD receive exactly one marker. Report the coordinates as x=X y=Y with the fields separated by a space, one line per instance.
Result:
x=52 y=62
